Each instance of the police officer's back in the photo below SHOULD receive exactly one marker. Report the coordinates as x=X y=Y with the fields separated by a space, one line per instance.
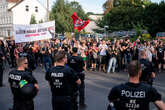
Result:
x=76 y=62
x=147 y=69
x=1 y=66
x=134 y=95
x=22 y=100
x=61 y=80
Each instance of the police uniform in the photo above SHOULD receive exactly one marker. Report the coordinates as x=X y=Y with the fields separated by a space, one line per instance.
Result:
x=62 y=81
x=1 y=67
x=77 y=63
x=21 y=102
x=147 y=69
x=130 y=96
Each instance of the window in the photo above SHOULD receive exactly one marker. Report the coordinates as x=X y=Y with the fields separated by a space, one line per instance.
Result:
x=8 y=33
x=36 y=9
x=27 y=8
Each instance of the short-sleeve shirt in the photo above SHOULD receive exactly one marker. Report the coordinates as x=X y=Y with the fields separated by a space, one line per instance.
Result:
x=62 y=80
x=160 y=52
x=103 y=49
x=132 y=96
x=147 y=69
x=76 y=63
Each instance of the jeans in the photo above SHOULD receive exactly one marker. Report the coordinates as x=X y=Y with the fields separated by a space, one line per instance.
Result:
x=112 y=64
x=119 y=63
x=82 y=93
x=127 y=60
x=47 y=59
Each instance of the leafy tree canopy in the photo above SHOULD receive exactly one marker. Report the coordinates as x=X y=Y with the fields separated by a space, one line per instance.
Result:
x=33 y=20
x=133 y=14
x=62 y=11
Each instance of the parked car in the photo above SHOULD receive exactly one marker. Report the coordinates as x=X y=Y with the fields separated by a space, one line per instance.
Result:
x=160 y=35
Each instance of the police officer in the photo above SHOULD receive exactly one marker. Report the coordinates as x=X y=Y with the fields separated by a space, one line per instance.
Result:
x=62 y=80
x=76 y=62
x=2 y=57
x=134 y=95
x=22 y=101
x=147 y=69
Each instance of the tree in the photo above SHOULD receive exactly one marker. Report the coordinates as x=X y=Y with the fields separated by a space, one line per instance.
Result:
x=62 y=11
x=123 y=17
x=110 y=4
x=135 y=14
x=41 y=21
x=154 y=18
x=33 y=20
x=78 y=9
x=90 y=13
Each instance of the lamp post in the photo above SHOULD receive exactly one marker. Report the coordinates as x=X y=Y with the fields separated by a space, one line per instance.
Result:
x=105 y=27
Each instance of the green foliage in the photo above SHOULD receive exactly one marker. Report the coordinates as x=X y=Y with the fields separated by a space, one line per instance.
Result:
x=33 y=20
x=122 y=18
x=41 y=21
x=154 y=18
x=163 y=40
x=138 y=27
x=78 y=9
x=135 y=14
x=90 y=13
x=62 y=11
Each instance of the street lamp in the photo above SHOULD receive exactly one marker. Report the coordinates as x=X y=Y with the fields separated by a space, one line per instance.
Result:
x=105 y=27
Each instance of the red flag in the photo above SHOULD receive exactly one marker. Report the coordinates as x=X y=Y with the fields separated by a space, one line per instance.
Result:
x=134 y=43
x=78 y=23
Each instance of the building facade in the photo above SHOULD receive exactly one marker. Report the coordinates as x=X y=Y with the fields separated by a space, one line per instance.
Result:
x=19 y=12
x=92 y=25
x=6 y=19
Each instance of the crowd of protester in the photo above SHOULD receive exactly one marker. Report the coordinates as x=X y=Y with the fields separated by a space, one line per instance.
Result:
x=99 y=55
x=66 y=83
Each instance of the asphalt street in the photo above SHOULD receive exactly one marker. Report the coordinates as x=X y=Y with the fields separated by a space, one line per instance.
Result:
x=98 y=85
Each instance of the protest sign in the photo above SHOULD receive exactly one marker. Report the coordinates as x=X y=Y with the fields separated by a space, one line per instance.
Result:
x=34 y=32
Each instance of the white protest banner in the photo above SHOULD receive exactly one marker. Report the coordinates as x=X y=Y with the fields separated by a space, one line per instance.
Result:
x=34 y=32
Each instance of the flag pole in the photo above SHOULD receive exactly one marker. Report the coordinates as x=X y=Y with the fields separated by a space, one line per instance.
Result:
x=79 y=36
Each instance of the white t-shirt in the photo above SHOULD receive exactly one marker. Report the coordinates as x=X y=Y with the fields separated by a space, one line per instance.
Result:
x=148 y=53
x=103 y=49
